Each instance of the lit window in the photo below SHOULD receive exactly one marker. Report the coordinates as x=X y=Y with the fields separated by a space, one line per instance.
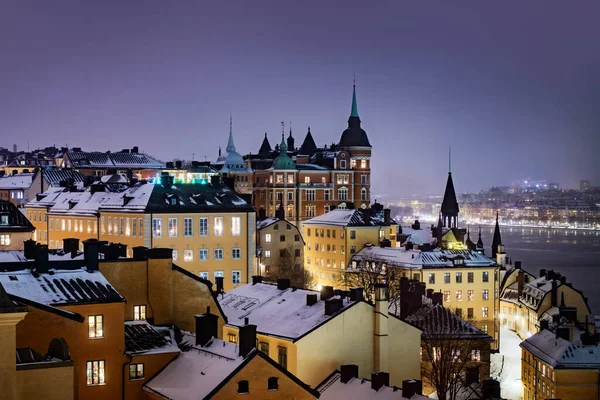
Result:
x=95 y=326
x=484 y=328
x=469 y=295
x=203 y=254
x=136 y=371
x=236 y=226
x=267 y=253
x=95 y=372
x=156 y=227
x=485 y=295
x=307 y=179
x=236 y=277
x=290 y=178
x=267 y=238
x=484 y=312
x=175 y=255
x=172 y=227
x=203 y=275
x=203 y=223
x=188 y=255
x=139 y=312
x=236 y=253
x=363 y=163
x=218 y=254
x=218 y=226
x=232 y=337
x=459 y=295
x=188 y=227
x=5 y=240
x=447 y=296
x=431 y=278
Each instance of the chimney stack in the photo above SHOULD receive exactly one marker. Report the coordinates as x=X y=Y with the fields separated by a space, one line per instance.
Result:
x=356 y=294
x=542 y=273
x=42 y=263
x=379 y=380
x=520 y=281
x=206 y=327
x=139 y=253
x=247 y=339
x=517 y=264
x=387 y=218
x=438 y=298
x=381 y=328
x=490 y=389
x=411 y=387
x=71 y=245
x=332 y=306
x=326 y=292
x=311 y=299
x=348 y=372
x=256 y=279
x=283 y=283
x=29 y=249
x=91 y=248
x=219 y=281
x=554 y=294
x=544 y=324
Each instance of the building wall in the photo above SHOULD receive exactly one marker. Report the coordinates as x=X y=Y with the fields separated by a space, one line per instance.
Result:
x=118 y=228
x=53 y=383
x=170 y=297
x=257 y=372
x=404 y=351
x=227 y=242
x=270 y=259
x=152 y=364
x=490 y=325
x=8 y=378
x=40 y=327
x=16 y=240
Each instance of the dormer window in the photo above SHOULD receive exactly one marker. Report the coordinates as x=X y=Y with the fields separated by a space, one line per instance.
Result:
x=4 y=219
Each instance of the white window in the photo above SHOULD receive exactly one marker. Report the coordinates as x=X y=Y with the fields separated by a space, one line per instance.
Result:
x=134 y=227
x=188 y=227
x=267 y=253
x=342 y=193
x=311 y=210
x=342 y=164
x=236 y=277
x=290 y=178
x=310 y=194
x=203 y=224
x=127 y=226
x=236 y=226
x=218 y=254
x=218 y=274
x=172 y=227
x=89 y=225
x=267 y=238
x=63 y=223
x=204 y=275
x=188 y=255
x=218 y=226
x=363 y=194
x=363 y=179
x=80 y=225
x=307 y=179
x=203 y=255
x=363 y=163
x=139 y=312
x=236 y=253
x=5 y=240
x=156 y=227
x=52 y=224
x=51 y=244
x=175 y=255
x=326 y=208
x=69 y=225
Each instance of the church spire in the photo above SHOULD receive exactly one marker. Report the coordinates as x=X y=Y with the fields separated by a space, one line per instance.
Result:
x=480 y=243
x=230 y=145
x=497 y=240
x=354 y=112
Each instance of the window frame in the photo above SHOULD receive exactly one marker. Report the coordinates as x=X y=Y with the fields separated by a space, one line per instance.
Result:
x=101 y=365
x=93 y=326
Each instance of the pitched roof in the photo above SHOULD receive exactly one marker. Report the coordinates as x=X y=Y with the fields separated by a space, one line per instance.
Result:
x=17 y=222
x=449 y=203
x=95 y=159
x=560 y=353
x=55 y=176
x=438 y=322
x=18 y=181
x=60 y=287
x=142 y=338
x=275 y=312
x=342 y=217
x=265 y=147
x=308 y=146
x=195 y=197
x=332 y=388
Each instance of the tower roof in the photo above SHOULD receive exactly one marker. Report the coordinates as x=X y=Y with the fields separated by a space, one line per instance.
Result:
x=308 y=146
x=234 y=162
x=450 y=204
x=354 y=135
x=283 y=160
x=497 y=240
x=479 y=241
x=230 y=145
x=265 y=147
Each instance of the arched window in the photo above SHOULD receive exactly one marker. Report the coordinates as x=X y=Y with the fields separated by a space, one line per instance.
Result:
x=342 y=193
x=243 y=387
x=273 y=383
x=363 y=194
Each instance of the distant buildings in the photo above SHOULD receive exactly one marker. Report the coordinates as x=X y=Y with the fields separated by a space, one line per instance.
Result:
x=584 y=186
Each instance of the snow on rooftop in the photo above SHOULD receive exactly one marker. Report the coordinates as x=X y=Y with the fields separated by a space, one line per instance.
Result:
x=359 y=389
x=266 y=222
x=561 y=353
x=275 y=312
x=143 y=338
x=61 y=287
x=196 y=372
x=418 y=236
x=335 y=217
x=18 y=181
x=19 y=256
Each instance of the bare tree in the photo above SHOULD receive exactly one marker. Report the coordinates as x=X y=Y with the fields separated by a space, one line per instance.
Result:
x=291 y=266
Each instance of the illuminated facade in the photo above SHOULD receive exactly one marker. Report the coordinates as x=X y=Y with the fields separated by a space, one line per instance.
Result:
x=14 y=227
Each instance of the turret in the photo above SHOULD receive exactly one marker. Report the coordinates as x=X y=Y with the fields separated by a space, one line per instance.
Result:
x=497 y=240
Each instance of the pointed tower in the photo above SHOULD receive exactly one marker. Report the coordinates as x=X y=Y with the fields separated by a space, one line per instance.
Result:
x=450 y=205
x=479 y=248
x=354 y=136
x=290 y=140
x=469 y=243
x=308 y=146
x=234 y=162
x=283 y=160
x=265 y=147
x=230 y=145
x=497 y=240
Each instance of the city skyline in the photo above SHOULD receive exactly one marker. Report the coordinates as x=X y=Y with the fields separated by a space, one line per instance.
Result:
x=511 y=103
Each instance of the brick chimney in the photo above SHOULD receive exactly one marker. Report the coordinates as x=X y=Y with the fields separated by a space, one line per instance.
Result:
x=380 y=362
x=247 y=339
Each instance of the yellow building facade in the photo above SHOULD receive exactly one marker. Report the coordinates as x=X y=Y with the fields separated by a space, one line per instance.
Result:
x=333 y=238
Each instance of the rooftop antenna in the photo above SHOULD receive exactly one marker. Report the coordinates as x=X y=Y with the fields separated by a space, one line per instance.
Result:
x=193 y=155
x=290 y=128
x=282 y=128
x=449 y=159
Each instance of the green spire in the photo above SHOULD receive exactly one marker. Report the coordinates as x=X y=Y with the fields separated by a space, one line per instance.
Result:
x=283 y=160
x=354 y=112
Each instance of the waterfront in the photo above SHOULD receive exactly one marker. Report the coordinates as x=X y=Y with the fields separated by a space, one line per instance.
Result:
x=573 y=253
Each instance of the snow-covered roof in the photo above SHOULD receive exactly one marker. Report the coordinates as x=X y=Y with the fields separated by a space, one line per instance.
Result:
x=437 y=321
x=195 y=373
x=141 y=338
x=10 y=256
x=275 y=312
x=266 y=222
x=18 y=181
x=359 y=389
x=60 y=287
x=418 y=236
x=400 y=257
x=560 y=353
x=342 y=217
x=17 y=222
x=56 y=175
x=95 y=159
x=311 y=167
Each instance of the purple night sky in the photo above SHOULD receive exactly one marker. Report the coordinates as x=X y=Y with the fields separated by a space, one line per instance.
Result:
x=512 y=86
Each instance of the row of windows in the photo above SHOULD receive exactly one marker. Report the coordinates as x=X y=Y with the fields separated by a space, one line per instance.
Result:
x=331 y=233
x=485 y=295
x=471 y=314
x=459 y=277
x=122 y=226
x=96 y=322
x=96 y=374
x=272 y=384
x=218 y=254
x=268 y=238
x=188 y=226
x=340 y=178
x=236 y=276
x=77 y=225
x=282 y=354
x=324 y=262
x=475 y=355
x=330 y=248
x=282 y=253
